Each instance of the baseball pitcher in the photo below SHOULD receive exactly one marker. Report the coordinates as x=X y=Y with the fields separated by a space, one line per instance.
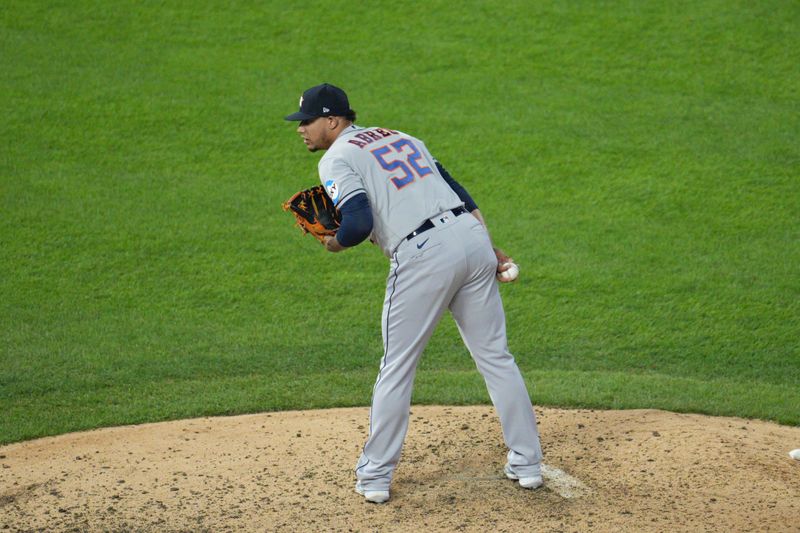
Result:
x=384 y=185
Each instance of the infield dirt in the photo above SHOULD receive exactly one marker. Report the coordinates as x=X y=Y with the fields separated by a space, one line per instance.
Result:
x=638 y=470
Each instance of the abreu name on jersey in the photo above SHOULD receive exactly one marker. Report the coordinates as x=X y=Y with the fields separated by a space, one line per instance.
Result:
x=370 y=136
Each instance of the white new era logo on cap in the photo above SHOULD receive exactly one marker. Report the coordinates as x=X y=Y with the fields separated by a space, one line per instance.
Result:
x=326 y=110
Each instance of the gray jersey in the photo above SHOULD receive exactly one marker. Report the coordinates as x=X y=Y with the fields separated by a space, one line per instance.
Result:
x=398 y=175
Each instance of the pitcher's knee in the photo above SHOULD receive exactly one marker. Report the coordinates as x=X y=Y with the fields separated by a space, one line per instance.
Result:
x=495 y=359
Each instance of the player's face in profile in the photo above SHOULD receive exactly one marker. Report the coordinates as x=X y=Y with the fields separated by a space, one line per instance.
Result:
x=313 y=133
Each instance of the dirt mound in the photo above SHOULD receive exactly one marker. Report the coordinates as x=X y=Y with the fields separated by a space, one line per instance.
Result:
x=638 y=470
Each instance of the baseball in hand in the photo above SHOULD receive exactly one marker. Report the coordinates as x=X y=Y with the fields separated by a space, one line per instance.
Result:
x=510 y=274
x=795 y=454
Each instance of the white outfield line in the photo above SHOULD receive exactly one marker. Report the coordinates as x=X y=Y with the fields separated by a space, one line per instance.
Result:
x=562 y=483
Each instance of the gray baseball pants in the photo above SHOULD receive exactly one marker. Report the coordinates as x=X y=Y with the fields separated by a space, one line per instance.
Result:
x=451 y=266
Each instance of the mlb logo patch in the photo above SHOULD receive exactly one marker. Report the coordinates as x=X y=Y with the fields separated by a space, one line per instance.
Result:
x=332 y=190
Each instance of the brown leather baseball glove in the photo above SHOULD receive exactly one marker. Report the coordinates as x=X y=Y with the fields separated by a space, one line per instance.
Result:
x=314 y=212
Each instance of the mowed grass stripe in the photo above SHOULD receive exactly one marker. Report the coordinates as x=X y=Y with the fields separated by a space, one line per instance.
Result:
x=177 y=399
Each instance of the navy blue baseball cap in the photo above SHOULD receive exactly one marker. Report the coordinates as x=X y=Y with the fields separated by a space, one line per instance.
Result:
x=322 y=101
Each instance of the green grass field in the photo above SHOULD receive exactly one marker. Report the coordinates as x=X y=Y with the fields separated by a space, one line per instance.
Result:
x=639 y=159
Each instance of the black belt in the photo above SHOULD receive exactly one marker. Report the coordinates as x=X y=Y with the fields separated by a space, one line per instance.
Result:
x=458 y=211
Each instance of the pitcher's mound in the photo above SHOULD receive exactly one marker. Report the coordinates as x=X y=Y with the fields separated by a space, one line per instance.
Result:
x=293 y=471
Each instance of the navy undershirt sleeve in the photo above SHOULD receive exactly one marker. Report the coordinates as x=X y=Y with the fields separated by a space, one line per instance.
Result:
x=462 y=193
x=356 y=221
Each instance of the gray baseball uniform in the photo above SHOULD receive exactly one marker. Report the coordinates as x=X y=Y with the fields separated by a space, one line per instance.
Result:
x=449 y=264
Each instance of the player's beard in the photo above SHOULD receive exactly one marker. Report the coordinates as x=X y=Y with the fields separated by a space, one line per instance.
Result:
x=311 y=146
x=315 y=143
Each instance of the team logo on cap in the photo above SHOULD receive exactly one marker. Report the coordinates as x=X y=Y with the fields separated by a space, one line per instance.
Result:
x=301 y=101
